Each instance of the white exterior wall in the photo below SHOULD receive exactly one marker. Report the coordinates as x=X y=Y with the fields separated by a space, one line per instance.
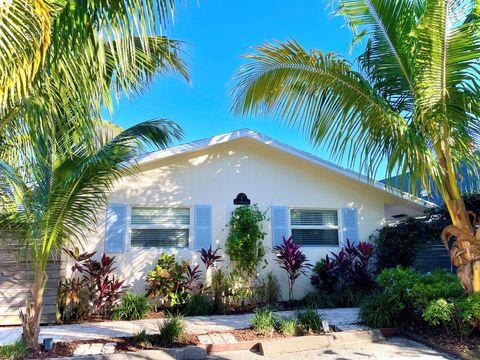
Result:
x=215 y=176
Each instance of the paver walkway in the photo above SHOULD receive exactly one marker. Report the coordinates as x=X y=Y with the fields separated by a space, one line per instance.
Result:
x=196 y=325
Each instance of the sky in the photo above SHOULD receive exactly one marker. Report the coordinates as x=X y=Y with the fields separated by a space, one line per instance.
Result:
x=216 y=33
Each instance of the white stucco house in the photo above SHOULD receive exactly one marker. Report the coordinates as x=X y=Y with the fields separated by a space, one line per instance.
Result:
x=183 y=197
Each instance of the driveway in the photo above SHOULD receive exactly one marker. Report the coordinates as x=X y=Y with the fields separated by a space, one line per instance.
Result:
x=393 y=348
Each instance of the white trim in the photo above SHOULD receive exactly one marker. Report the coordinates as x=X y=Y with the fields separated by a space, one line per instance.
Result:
x=250 y=134
x=315 y=227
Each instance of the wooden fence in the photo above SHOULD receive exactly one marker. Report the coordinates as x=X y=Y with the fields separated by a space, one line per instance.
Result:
x=16 y=279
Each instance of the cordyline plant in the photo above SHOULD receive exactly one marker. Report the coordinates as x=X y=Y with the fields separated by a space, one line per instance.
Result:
x=409 y=101
x=93 y=283
x=293 y=261
x=210 y=257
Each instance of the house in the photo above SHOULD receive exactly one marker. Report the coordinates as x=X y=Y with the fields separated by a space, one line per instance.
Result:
x=183 y=197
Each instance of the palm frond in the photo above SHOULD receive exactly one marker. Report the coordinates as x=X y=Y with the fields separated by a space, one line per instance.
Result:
x=335 y=105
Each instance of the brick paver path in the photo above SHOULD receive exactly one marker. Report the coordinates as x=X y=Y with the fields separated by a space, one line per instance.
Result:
x=194 y=324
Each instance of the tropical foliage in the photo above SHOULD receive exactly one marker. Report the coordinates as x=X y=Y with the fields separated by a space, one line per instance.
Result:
x=65 y=62
x=409 y=103
x=244 y=244
x=291 y=259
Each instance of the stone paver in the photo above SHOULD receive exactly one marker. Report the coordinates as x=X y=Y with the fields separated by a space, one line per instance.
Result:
x=229 y=338
x=195 y=325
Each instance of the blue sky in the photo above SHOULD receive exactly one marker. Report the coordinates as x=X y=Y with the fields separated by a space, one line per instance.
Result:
x=217 y=33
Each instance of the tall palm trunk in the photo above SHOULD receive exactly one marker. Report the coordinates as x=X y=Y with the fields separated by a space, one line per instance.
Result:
x=33 y=312
x=465 y=251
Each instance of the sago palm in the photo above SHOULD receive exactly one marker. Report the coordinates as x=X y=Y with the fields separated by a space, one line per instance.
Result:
x=408 y=103
x=54 y=199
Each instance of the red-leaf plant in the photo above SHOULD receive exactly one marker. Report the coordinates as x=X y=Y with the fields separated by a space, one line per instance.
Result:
x=92 y=282
x=209 y=257
x=291 y=258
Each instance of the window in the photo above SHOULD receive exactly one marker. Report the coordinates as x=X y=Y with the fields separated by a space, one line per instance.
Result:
x=160 y=227
x=314 y=227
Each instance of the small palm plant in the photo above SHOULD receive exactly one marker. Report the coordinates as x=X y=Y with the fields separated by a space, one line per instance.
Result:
x=291 y=258
x=55 y=199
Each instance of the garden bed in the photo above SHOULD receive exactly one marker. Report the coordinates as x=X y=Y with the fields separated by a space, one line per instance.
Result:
x=467 y=347
x=247 y=338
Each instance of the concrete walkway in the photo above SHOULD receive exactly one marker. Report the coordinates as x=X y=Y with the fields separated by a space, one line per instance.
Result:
x=347 y=318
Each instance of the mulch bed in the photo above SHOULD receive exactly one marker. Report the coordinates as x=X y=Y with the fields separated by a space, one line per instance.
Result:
x=65 y=349
x=467 y=347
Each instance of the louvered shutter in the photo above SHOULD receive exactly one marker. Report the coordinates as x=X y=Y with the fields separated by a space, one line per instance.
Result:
x=350 y=225
x=116 y=228
x=279 y=224
x=203 y=226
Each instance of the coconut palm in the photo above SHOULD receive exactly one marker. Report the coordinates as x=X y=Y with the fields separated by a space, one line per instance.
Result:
x=409 y=102
x=70 y=58
x=54 y=201
x=63 y=63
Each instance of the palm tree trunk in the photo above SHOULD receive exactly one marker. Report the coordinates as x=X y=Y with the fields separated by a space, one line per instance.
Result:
x=33 y=312
x=465 y=251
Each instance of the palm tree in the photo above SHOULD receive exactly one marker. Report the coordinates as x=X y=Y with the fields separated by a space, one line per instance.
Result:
x=70 y=59
x=63 y=63
x=410 y=100
x=53 y=200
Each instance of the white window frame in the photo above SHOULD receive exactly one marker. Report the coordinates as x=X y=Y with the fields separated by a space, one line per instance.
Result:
x=337 y=227
x=132 y=227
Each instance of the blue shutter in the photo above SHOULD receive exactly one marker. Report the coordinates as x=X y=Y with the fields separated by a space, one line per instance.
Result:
x=350 y=225
x=279 y=224
x=115 y=228
x=203 y=226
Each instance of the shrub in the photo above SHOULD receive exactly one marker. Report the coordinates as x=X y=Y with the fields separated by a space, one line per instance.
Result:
x=315 y=300
x=141 y=339
x=381 y=310
x=244 y=243
x=291 y=258
x=287 y=325
x=15 y=351
x=309 y=321
x=347 y=277
x=438 y=312
x=270 y=290
x=91 y=289
x=132 y=307
x=199 y=305
x=435 y=285
x=263 y=321
x=397 y=245
x=209 y=257
x=172 y=282
x=171 y=331
x=220 y=289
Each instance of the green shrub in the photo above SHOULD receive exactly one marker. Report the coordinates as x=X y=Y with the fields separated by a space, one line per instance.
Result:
x=309 y=321
x=220 y=289
x=171 y=331
x=199 y=305
x=168 y=281
x=287 y=325
x=435 y=285
x=271 y=289
x=132 y=307
x=438 y=312
x=141 y=339
x=381 y=310
x=317 y=300
x=244 y=243
x=398 y=245
x=263 y=321
x=15 y=351
x=468 y=308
